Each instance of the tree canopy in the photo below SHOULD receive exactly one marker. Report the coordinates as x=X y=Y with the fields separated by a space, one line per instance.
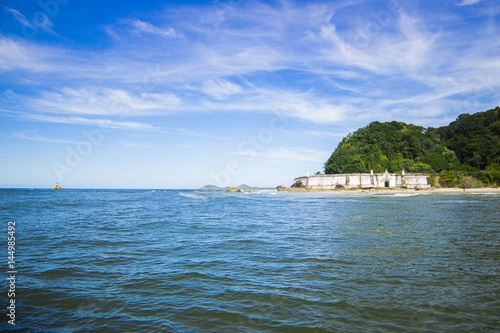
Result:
x=471 y=143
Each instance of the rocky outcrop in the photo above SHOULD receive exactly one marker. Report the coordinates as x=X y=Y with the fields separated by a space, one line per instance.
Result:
x=233 y=189
x=298 y=184
x=57 y=187
x=281 y=188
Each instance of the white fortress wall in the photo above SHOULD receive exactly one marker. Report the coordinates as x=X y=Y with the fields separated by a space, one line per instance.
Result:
x=417 y=180
x=326 y=181
x=364 y=180
x=304 y=180
x=354 y=181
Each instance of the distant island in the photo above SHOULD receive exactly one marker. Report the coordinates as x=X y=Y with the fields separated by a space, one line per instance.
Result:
x=240 y=187
x=57 y=187
x=210 y=187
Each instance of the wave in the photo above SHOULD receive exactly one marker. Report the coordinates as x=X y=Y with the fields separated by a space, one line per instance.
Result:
x=396 y=194
x=193 y=196
x=269 y=192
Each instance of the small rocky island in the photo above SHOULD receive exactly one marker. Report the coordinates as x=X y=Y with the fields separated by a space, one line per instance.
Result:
x=239 y=188
x=57 y=187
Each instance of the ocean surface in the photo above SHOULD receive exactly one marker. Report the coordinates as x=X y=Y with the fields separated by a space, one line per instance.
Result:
x=186 y=261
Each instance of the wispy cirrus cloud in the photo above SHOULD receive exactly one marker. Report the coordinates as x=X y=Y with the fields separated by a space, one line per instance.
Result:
x=42 y=21
x=468 y=2
x=291 y=154
x=104 y=101
x=18 y=16
x=220 y=88
x=141 y=145
x=258 y=57
x=325 y=134
x=105 y=123
x=184 y=131
x=21 y=55
x=146 y=27
x=32 y=136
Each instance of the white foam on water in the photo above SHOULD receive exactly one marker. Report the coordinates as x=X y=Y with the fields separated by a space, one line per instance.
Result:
x=193 y=196
x=397 y=194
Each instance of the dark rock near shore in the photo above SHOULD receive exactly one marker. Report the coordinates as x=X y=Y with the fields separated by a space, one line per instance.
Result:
x=281 y=188
x=233 y=189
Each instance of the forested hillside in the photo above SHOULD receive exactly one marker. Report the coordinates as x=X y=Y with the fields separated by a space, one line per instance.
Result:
x=470 y=144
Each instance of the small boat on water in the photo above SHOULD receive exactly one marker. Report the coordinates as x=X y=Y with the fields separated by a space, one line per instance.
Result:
x=57 y=187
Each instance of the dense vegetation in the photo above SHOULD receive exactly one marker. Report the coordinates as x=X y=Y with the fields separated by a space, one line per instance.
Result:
x=470 y=144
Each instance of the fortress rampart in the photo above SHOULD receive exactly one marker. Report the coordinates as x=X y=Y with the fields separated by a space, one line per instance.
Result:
x=363 y=180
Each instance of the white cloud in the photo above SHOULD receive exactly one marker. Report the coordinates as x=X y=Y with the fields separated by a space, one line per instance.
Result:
x=141 y=26
x=197 y=133
x=325 y=134
x=254 y=57
x=25 y=135
x=103 y=101
x=295 y=104
x=21 y=55
x=19 y=17
x=291 y=154
x=104 y=123
x=41 y=20
x=141 y=145
x=412 y=53
x=220 y=89
x=404 y=46
x=468 y=2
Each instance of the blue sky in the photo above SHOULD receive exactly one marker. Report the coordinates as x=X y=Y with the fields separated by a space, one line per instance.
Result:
x=179 y=94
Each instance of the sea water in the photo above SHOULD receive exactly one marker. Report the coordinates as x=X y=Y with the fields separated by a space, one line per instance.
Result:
x=187 y=261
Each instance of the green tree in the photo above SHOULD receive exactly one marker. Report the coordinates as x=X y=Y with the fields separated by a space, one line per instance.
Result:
x=448 y=179
x=421 y=168
x=436 y=161
x=471 y=143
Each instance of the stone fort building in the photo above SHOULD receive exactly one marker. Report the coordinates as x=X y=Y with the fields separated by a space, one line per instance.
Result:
x=363 y=180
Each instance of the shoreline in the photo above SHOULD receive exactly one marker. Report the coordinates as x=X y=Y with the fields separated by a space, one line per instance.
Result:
x=467 y=190
x=442 y=190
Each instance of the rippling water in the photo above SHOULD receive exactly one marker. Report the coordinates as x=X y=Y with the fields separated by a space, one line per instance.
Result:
x=185 y=261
